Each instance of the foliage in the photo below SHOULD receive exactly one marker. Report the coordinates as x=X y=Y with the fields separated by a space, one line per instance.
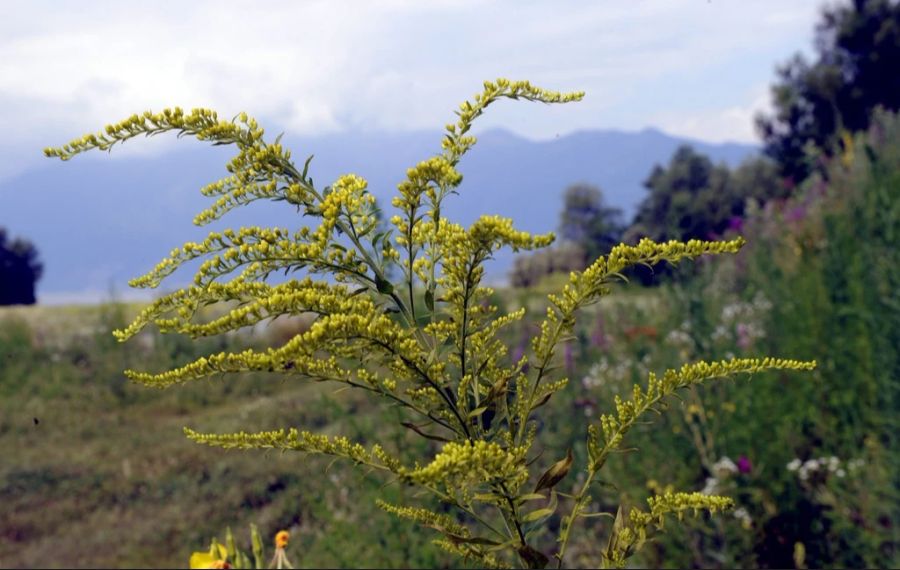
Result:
x=691 y=198
x=428 y=343
x=588 y=221
x=529 y=269
x=855 y=70
x=85 y=474
x=839 y=264
x=819 y=280
x=19 y=271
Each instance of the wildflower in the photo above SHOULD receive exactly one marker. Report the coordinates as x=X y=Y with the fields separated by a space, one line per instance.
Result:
x=744 y=465
x=279 y=560
x=794 y=464
x=215 y=557
x=725 y=466
x=743 y=516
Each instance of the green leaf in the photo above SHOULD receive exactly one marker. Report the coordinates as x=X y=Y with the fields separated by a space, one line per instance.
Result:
x=555 y=473
x=384 y=286
x=537 y=515
x=511 y=543
x=429 y=299
x=257 y=547
x=470 y=539
x=229 y=542
x=217 y=550
x=596 y=515
x=488 y=497
x=306 y=168
x=544 y=399
x=477 y=412
x=618 y=526
x=531 y=497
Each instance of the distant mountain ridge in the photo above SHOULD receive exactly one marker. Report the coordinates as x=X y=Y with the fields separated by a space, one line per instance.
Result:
x=98 y=221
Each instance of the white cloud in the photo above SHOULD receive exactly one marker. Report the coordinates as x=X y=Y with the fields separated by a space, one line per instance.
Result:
x=734 y=123
x=320 y=65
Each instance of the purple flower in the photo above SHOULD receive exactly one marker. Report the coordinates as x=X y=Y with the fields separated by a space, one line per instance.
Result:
x=796 y=213
x=744 y=465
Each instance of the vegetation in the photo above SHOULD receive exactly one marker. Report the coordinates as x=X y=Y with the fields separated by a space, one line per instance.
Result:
x=816 y=281
x=588 y=227
x=19 y=271
x=857 y=54
x=588 y=221
x=428 y=343
x=692 y=198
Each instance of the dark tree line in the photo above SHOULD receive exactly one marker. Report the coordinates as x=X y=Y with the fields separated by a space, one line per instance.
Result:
x=20 y=270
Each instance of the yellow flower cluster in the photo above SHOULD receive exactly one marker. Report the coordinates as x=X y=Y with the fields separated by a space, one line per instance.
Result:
x=679 y=503
x=260 y=251
x=627 y=411
x=424 y=517
x=480 y=555
x=629 y=536
x=259 y=301
x=203 y=124
x=296 y=440
x=462 y=465
x=347 y=197
x=341 y=334
x=587 y=286
x=456 y=143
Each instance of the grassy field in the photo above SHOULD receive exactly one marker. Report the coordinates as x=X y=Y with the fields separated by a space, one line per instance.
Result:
x=95 y=471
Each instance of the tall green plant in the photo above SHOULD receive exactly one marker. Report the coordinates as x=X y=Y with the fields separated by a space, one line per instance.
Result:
x=426 y=341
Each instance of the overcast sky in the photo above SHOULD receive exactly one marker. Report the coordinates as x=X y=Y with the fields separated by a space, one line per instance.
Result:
x=698 y=68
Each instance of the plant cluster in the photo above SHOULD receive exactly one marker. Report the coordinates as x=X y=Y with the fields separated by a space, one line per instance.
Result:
x=427 y=341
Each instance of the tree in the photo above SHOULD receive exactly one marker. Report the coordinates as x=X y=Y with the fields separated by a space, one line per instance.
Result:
x=19 y=271
x=690 y=198
x=587 y=221
x=756 y=178
x=857 y=58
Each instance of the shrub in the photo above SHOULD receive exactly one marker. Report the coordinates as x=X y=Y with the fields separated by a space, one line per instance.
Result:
x=426 y=342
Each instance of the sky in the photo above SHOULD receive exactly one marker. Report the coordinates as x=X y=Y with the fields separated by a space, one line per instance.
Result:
x=695 y=68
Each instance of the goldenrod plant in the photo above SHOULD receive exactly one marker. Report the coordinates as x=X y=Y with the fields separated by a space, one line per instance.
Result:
x=403 y=313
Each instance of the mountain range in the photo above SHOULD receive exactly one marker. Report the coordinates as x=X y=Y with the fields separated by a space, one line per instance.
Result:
x=97 y=221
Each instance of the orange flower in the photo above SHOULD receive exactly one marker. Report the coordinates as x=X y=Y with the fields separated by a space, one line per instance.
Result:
x=281 y=539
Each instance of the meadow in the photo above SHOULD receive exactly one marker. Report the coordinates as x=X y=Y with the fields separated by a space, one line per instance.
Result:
x=96 y=471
